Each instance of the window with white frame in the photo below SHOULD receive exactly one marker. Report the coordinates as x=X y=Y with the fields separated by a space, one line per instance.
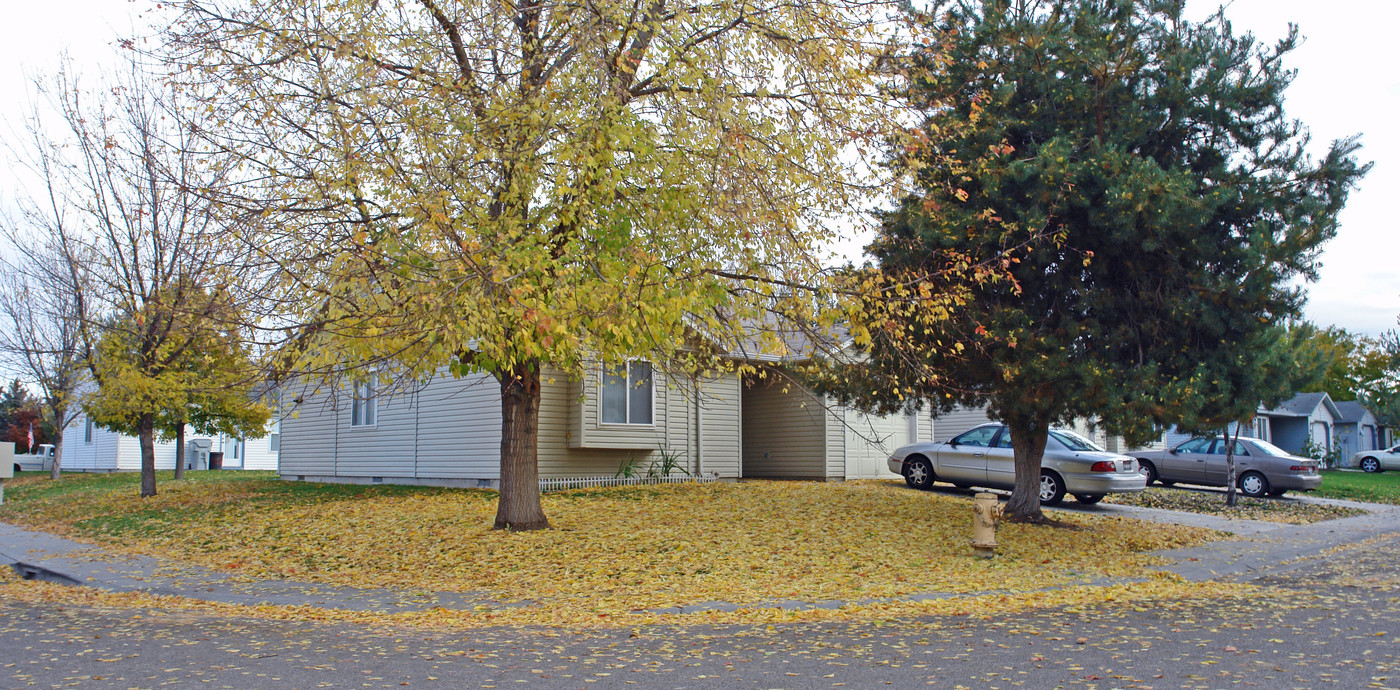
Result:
x=87 y=431
x=627 y=393
x=363 y=404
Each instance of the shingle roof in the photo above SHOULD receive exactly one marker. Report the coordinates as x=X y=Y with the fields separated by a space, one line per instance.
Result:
x=1351 y=411
x=1302 y=405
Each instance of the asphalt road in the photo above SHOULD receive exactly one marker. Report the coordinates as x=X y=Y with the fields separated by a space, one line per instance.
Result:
x=1334 y=622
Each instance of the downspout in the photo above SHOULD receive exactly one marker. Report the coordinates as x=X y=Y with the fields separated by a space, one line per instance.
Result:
x=699 y=432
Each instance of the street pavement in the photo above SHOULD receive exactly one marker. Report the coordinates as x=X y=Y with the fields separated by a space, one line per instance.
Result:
x=1329 y=618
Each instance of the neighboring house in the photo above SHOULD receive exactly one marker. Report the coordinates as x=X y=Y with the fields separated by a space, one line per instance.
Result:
x=1356 y=429
x=90 y=448
x=448 y=431
x=1306 y=418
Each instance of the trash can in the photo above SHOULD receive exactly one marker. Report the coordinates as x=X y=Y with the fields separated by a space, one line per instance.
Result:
x=216 y=460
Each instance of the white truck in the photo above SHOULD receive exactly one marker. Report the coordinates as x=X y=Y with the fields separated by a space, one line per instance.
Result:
x=36 y=462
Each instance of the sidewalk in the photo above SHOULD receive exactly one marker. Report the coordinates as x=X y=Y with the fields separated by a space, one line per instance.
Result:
x=1258 y=549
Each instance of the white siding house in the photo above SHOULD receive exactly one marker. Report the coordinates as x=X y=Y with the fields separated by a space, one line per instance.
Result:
x=89 y=448
x=448 y=431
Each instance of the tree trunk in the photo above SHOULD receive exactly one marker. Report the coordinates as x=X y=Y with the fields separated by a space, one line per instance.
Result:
x=1230 y=498
x=180 y=451
x=519 y=507
x=1028 y=438
x=56 y=470
x=146 y=432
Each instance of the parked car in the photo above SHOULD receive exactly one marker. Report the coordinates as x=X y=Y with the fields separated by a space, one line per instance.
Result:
x=1377 y=460
x=982 y=456
x=37 y=462
x=1261 y=467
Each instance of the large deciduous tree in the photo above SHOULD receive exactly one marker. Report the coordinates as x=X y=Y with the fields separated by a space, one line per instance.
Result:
x=1166 y=199
x=494 y=187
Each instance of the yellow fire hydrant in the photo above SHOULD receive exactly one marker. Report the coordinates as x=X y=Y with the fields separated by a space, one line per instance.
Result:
x=985 y=511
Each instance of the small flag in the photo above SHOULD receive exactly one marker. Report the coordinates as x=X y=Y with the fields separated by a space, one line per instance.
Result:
x=31 y=437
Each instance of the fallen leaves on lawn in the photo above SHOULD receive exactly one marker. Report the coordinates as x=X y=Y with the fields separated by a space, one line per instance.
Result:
x=614 y=552
x=1162 y=592
x=1213 y=503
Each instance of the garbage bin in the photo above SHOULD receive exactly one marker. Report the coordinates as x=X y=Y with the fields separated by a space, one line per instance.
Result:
x=216 y=460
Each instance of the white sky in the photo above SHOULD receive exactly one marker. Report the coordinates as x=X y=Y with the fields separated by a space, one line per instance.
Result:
x=1346 y=84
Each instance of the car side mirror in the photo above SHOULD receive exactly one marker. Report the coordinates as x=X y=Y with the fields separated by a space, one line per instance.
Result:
x=952 y=443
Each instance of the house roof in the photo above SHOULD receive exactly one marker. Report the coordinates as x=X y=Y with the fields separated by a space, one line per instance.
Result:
x=1303 y=405
x=1351 y=411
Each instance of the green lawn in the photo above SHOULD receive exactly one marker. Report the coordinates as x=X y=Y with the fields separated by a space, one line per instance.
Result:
x=1359 y=486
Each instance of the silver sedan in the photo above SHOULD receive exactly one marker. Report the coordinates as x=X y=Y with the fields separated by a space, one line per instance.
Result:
x=1263 y=469
x=1377 y=460
x=982 y=456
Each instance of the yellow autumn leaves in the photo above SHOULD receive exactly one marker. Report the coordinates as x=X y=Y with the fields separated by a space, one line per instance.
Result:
x=616 y=555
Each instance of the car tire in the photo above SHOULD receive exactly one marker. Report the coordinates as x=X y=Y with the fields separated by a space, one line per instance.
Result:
x=918 y=472
x=1052 y=488
x=1150 y=470
x=1370 y=465
x=1254 y=485
x=1088 y=499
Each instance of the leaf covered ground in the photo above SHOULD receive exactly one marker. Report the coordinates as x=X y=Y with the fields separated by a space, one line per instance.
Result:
x=614 y=554
x=1213 y=503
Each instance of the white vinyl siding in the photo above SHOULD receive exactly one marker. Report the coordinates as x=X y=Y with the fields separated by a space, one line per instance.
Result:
x=959 y=419
x=720 y=422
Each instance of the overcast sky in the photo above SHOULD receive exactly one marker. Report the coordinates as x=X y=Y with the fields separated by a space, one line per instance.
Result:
x=1346 y=85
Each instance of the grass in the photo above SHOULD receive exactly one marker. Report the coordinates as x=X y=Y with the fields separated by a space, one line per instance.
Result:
x=1213 y=503
x=1381 y=487
x=612 y=551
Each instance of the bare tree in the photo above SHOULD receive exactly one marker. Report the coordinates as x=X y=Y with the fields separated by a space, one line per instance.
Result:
x=41 y=323
x=159 y=320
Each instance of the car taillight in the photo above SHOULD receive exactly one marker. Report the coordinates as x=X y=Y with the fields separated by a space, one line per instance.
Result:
x=1303 y=468
x=1102 y=466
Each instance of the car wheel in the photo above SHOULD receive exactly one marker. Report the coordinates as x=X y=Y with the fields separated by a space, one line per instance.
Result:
x=1088 y=499
x=1052 y=488
x=1150 y=470
x=1370 y=465
x=918 y=472
x=1254 y=485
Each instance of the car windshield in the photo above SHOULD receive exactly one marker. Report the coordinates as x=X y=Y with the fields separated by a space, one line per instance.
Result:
x=1271 y=449
x=1074 y=441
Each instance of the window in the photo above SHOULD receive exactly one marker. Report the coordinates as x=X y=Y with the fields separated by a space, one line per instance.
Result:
x=1195 y=445
x=1076 y=442
x=363 y=404
x=1219 y=448
x=627 y=393
x=275 y=441
x=87 y=431
x=981 y=437
x=237 y=448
